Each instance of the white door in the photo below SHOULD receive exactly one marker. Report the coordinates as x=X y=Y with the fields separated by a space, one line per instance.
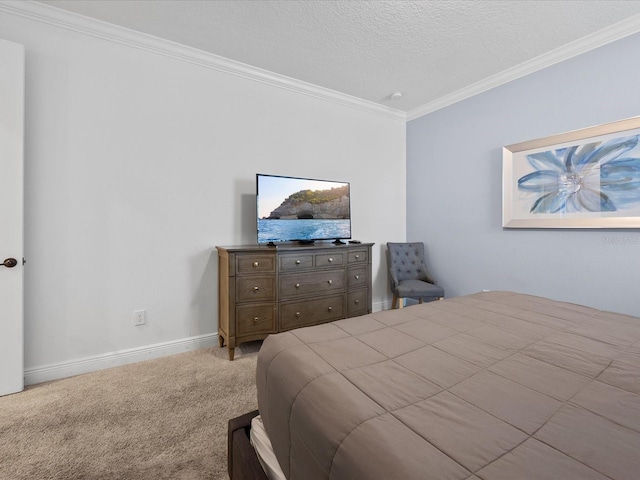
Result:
x=11 y=211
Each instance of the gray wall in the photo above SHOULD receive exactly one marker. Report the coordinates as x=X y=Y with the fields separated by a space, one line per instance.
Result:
x=454 y=190
x=140 y=158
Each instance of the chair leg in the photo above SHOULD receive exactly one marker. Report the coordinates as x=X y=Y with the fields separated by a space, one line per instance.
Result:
x=394 y=303
x=401 y=302
x=440 y=298
x=420 y=300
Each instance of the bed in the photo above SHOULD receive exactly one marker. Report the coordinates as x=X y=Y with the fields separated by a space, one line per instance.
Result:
x=494 y=385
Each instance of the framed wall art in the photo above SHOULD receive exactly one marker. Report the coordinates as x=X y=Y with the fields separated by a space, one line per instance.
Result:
x=587 y=178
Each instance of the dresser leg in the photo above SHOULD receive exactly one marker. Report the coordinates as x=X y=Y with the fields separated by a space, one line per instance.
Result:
x=221 y=341
x=231 y=352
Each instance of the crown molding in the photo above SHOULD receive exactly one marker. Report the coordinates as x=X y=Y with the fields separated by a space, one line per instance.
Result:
x=96 y=28
x=87 y=26
x=585 y=44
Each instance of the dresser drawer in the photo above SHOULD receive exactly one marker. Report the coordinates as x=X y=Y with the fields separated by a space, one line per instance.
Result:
x=357 y=302
x=255 y=264
x=358 y=256
x=255 y=288
x=262 y=291
x=329 y=259
x=293 y=263
x=357 y=276
x=311 y=283
x=311 y=312
x=255 y=319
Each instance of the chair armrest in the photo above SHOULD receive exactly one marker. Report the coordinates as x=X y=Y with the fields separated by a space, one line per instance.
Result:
x=393 y=277
x=428 y=277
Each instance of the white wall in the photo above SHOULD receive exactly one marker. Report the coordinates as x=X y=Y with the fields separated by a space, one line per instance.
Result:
x=454 y=189
x=138 y=164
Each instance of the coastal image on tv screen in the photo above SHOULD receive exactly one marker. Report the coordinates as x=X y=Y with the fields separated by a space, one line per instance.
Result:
x=302 y=209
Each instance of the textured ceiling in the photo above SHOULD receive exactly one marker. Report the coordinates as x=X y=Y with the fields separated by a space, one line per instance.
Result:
x=369 y=49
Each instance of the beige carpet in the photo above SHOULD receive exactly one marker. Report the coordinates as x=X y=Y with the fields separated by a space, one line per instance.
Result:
x=159 y=419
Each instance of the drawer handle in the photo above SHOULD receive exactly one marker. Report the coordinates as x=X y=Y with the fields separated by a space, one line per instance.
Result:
x=329 y=309
x=330 y=282
x=256 y=288
x=330 y=259
x=298 y=314
x=357 y=302
x=357 y=277
x=297 y=285
x=297 y=262
x=357 y=257
x=255 y=264
x=255 y=319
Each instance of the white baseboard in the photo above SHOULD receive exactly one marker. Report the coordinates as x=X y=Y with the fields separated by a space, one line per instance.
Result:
x=379 y=306
x=56 y=371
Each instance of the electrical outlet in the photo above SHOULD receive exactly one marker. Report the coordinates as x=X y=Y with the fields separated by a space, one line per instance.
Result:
x=139 y=317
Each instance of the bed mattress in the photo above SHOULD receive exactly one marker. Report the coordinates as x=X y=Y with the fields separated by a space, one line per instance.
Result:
x=495 y=385
x=259 y=440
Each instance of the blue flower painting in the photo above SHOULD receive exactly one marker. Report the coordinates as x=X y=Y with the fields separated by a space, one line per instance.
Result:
x=603 y=176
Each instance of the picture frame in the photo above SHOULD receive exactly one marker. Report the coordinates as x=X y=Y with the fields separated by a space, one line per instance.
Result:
x=588 y=178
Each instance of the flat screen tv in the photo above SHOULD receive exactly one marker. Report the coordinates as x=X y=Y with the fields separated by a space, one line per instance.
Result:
x=302 y=209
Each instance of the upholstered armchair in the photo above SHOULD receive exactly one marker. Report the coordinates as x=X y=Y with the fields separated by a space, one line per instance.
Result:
x=408 y=274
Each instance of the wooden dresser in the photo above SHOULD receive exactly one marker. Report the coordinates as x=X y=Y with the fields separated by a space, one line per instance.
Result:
x=264 y=290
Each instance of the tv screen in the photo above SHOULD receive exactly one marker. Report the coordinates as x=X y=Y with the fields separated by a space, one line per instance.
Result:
x=302 y=209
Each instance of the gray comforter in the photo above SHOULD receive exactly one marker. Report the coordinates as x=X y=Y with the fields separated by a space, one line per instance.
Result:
x=495 y=385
